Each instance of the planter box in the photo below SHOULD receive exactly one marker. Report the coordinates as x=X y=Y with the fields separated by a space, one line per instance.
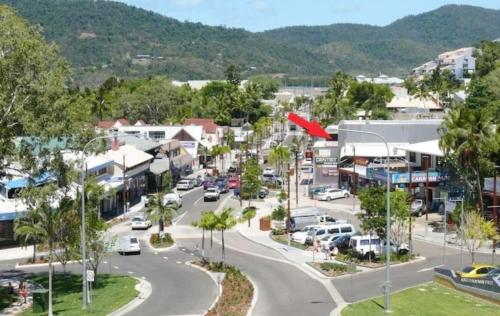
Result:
x=265 y=224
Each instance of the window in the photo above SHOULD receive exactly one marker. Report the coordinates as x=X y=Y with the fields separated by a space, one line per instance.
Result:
x=366 y=242
x=413 y=157
x=333 y=231
x=347 y=229
x=482 y=271
x=157 y=134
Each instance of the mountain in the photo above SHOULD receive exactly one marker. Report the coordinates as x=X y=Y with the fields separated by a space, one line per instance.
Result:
x=104 y=38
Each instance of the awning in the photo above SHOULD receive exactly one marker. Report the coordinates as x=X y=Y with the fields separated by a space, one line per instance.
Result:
x=24 y=182
x=372 y=150
x=159 y=166
x=430 y=148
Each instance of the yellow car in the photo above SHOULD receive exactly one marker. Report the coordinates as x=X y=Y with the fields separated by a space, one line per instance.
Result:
x=475 y=270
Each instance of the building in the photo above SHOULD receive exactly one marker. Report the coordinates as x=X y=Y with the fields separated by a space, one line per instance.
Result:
x=460 y=62
x=404 y=106
x=113 y=123
x=381 y=79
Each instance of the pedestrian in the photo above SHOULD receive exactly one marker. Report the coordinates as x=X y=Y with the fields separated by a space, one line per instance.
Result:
x=22 y=292
x=10 y=292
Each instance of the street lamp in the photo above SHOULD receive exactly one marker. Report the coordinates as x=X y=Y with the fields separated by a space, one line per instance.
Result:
x=82 y=233
x=387 y=289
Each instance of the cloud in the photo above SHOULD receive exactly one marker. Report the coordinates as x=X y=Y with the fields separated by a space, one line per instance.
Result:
x=346 y=7
x=260 y=5
x=185 y=3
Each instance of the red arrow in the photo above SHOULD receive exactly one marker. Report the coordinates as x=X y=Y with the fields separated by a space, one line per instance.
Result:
x=313 y=128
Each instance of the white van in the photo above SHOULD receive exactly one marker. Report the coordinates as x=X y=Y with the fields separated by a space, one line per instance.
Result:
x=307 y=216
x=329 y=230
x=128 y=244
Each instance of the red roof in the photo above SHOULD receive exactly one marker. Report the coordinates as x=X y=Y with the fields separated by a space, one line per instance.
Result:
x=208 y=124
x=105 y=124
x=124 y=122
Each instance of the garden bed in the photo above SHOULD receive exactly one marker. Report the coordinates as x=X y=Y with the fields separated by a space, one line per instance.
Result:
x=283 y=239
x=237 y=290
x=331 y=269
x=375 y=262
x=157 y=242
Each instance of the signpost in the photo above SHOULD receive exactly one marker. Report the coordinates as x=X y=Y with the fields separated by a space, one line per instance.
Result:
x=457 y=194
x=90 y=279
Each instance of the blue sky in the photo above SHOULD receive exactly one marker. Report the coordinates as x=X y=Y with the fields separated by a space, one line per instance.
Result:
x=259 y=15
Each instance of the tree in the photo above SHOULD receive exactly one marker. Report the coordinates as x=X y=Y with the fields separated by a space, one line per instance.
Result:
x=279 y=156
x=279 y=213
x=476 y=231
x=219 y=151
x=223 y=222
x=373 y=201
x=233 y=76
x=334 y=106
x=206 y=222
x=370 y=97
x=248 y=214
x=159 y=211
x=400 y=217
x=251 y=179
x=46 y=222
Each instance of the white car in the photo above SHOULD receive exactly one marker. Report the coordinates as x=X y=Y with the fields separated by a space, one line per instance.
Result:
x=185 y=185
x=332 y=194
x=268 y=171
x=211 y=194
x=140 y=222
x=172 y=199
x=128 y=244
x=301 y=236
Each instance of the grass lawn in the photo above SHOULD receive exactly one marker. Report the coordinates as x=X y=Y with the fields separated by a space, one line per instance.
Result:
x=109 y=293
x=427 y=299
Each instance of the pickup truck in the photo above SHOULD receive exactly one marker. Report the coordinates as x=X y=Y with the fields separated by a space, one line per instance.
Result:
x=211 y=194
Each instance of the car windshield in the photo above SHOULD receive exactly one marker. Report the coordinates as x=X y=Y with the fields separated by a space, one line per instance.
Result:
x=137 y=219
x=211 y=189
x=467 y=269
x=133 y=240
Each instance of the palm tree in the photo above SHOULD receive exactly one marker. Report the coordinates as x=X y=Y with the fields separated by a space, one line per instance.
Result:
x=219 y=151
x=29 y=220
x=159 y=211
x=206 y=222
x=223 y=222
x=43 y=221
x=278 y=156
x=466 y=132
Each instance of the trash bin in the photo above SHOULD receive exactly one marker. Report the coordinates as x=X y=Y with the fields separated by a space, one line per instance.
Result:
x=40 y=300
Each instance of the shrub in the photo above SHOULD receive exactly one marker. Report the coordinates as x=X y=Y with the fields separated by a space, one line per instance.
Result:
x=347 y=257
x=278 y=231
x=327 y=266
x=156 y=240
x=279 y=213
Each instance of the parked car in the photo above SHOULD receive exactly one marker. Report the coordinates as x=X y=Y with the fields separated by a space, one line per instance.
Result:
x=140 y=222
x=326 y=241
x=233 y=182
x=198 y=181
x=222 y=185
x=268 y=171
x=494 y=274
x=306 y=181
x=147 y=197
x=211 y=194
x=185 y=185
x=476 y=270
x=271 y=178
x=128 y=244
x=172 y=199
x=417 y=207
x=263 y=192
x=300 y=236
x=332 y=194
x=231 y=170
x=329 y=230
x=365 y=246
x=340 y=245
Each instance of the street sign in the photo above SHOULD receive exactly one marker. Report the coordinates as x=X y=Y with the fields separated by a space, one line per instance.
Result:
x=456 y=194
x=90 y=275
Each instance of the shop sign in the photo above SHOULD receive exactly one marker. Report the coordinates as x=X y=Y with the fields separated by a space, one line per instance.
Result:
x=188 y=144
x=326 y=161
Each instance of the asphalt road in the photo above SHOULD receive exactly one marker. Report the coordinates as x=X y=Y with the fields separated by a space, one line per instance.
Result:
x=194 y=205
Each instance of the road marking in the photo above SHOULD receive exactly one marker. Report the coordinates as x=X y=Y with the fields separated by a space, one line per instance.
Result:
x=166 y=258
x=115 y=267
x=130 y=272
x=143 y=277
x=192 y=254
x=156 y=252
x=178 y=262
x=105 y=262
x=428 y=269
x=198 y=200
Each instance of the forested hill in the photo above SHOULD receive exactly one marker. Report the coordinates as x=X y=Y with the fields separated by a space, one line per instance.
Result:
x=103 y=38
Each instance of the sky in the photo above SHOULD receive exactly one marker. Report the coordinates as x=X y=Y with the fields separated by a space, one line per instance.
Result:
x=260 y=15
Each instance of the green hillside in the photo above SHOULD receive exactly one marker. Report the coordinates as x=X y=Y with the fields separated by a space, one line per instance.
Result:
x=102 y=38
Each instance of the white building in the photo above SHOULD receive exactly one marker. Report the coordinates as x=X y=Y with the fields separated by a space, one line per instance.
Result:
x=460 y=62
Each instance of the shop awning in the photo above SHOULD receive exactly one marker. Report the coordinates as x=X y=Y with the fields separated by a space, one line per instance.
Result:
x=430 y=148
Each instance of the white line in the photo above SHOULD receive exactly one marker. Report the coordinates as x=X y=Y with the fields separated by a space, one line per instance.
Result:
x=179 y=218
x=166 y=258
x=196 y=202
x=115 y=267
x=105 y=262
x=178 y=262
x=428 y=269
x=130 y=272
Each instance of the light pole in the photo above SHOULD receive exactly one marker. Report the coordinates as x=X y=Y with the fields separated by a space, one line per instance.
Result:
x=82 y=233
x=387 y=290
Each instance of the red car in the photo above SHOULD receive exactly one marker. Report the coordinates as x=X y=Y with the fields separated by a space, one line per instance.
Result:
x=233 y=183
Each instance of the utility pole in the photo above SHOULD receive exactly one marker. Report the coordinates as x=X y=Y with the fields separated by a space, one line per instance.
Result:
x=411 y=201
x=495 y=213
x=296 y=177
x=289 y=213
x=241 y=177
x=355 y=179
x=427 y=159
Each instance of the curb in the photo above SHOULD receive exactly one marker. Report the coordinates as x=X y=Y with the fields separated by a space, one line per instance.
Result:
x=145 y=290
x=219 y=288
x=38 y=265
x=254 y=297
x=148 y=236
